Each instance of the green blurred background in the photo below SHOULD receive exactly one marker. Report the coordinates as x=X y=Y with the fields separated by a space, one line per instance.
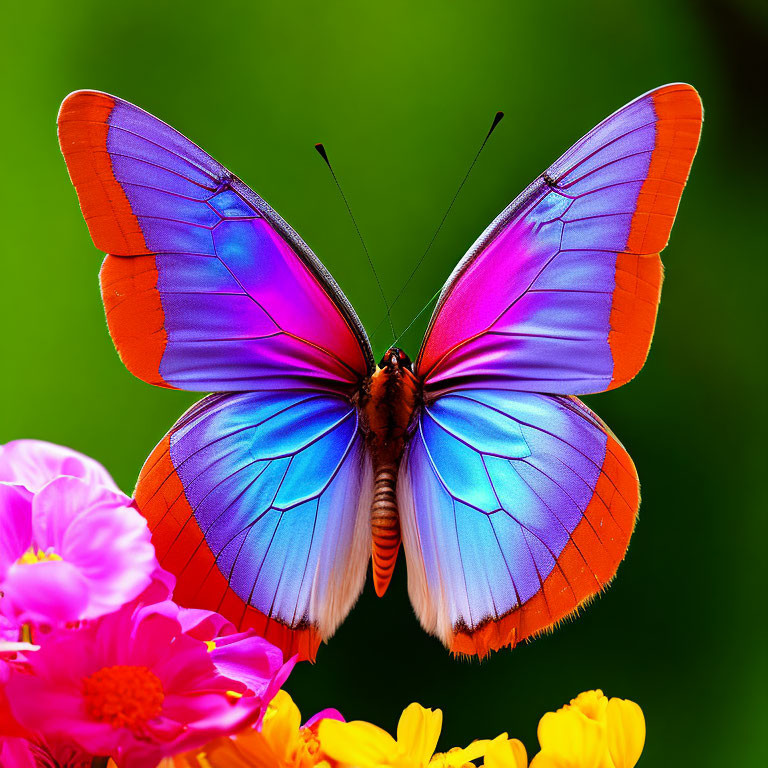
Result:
x=402 y=94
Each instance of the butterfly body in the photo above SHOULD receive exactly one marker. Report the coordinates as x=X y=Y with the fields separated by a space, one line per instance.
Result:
x=513 y=501
x=388 y=405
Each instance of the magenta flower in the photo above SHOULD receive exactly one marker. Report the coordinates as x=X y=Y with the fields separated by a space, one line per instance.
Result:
x=243 y=656
x=134 y=687
x=71 y=548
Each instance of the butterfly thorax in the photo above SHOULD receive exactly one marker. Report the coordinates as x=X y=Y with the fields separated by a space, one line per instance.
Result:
x=389 y=402
x=388 y=405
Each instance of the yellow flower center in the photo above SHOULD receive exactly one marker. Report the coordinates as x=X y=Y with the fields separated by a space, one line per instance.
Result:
x=210 y=645
x=123 y=696
x=32 y=556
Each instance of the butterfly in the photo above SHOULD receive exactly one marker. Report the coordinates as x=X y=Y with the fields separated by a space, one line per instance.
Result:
x=513 y=501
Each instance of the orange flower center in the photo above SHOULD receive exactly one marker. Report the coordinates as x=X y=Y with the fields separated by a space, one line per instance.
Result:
x=123 y=696
x=308 y=752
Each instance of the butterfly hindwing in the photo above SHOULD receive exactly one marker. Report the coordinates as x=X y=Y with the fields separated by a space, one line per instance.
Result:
x=516 y=508
x=206 y=287
x=259 y=504
x=560 y=293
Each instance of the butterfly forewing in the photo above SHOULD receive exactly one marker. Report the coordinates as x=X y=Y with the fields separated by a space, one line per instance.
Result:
x=560 y=293
x=206 y=287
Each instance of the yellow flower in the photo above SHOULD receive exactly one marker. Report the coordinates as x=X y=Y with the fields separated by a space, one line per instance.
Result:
x=591 y=732
x=282 y=743
x=367 y=746
x=626 y=732
x=506 y=753
x=294 y=746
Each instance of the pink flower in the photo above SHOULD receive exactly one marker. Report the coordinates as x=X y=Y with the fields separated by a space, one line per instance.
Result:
x=131 y=685
x=71 y=548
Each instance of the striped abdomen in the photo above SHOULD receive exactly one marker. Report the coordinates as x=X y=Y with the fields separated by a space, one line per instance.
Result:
x=385 y=526
x=391 y=396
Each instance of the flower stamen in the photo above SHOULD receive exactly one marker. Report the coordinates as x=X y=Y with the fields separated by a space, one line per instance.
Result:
x=32 y=556
x=123 y=696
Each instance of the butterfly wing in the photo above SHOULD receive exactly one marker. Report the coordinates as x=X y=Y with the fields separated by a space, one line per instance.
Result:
x=560 y=293
x=206 y=287
x=259 y=503
x=517 y=503
x=253 y=496
x=516 y=507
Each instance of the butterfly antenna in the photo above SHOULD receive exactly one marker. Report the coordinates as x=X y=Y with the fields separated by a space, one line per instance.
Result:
x=497 y=118
x=321 y=151
x=421 y=312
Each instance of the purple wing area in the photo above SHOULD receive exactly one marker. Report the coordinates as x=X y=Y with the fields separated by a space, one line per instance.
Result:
x=259 y=503
x=560 y=293
x=515 y=508
x=206 y=287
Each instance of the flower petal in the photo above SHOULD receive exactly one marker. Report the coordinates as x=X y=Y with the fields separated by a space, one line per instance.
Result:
x=626 y=732
x=246 y=749
x=506 y=753
x=17 y=753
x=323 y=714
x=249 y=659
x=15 y=524
x=204 y=625
x=592 y=704
x=101 y=534
x=281 y=726
x=52 y=592
x=548 y=760
x=9 y=727
x=275 y=684
x=574 y=738
x=33 y=463
x=418 y=732
x=357 y=743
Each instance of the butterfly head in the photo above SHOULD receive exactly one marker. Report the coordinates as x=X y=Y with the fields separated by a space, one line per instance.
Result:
x=395 y=358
